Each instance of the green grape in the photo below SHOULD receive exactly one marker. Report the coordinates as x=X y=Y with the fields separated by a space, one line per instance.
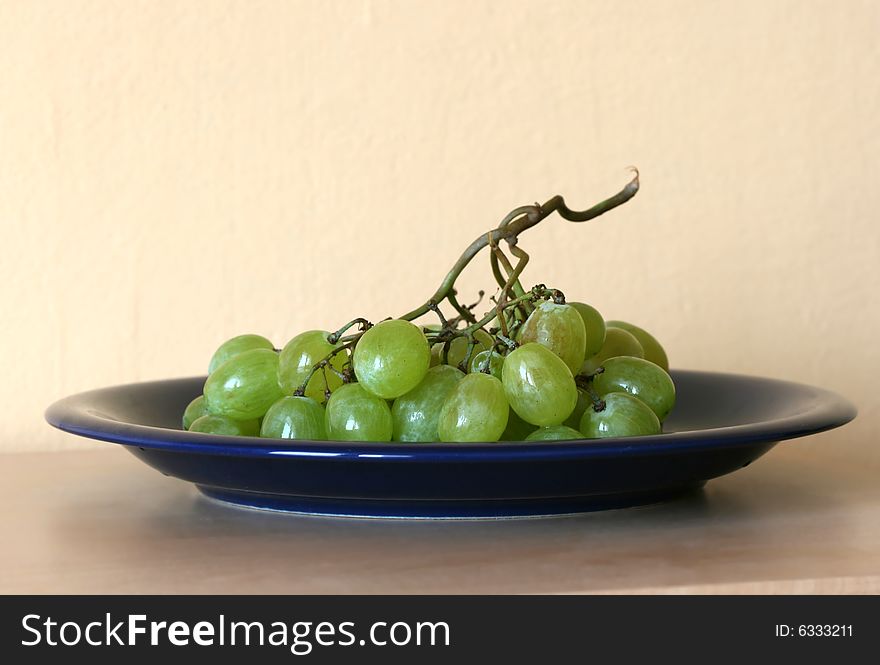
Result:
x=458 y=348
x=539 y=385
x=492 y=360
x=623 y=415
x=640 y=378
x=353 y=414
x=594 y=326
x=583 y=401
x=392 y=358
x=294 y=418
x=214 y=424
x=436 y=348
x=298 y=357
x=475 y=410
x=618 y=342
x=555 y=433
x=431 y=329
x=232 y=347
x=245 y=386
x=561 y=329
x=194 y=410
x=416 y=413
x=653 y=350
x=517 y=429
x=437 y=354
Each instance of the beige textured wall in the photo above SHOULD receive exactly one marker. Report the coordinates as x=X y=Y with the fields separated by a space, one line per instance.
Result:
x=174 y=173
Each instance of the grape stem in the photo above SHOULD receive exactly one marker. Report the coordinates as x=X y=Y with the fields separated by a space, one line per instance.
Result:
x=463 y=365
x=512 y=225
x=585 y=383
x=333 y=338
x=322 y=364
x=445 y=335
x=436 y=309
x=516 y=222
x=465 y=313
x=517 y=288
x=496 y=269
x=512 y=280
x=539 y=292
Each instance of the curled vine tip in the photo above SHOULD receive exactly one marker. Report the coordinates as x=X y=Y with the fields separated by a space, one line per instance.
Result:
x=514 y=223
x=634 y=183
x=624 y=195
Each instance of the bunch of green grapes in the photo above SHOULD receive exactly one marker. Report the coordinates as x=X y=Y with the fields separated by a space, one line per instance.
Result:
x=560 y=372
x=533 y=368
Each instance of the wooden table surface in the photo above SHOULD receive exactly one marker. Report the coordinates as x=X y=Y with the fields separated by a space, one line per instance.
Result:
x=805 y=518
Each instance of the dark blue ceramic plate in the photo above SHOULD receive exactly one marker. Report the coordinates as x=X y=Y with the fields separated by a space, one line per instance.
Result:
x=722 y=422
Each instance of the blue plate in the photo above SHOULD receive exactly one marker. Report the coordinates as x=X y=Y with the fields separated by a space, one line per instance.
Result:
x=722 y=422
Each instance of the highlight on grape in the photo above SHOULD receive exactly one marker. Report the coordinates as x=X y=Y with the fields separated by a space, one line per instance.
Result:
x=532 y=367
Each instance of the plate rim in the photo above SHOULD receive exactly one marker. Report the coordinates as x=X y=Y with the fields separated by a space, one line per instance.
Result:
x=829 y=410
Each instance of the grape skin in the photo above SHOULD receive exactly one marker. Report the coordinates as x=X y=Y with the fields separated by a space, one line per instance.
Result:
x=475 y=410
x=194 y=410
x=298 y=357
x=623 y=415
x=391 y=358
x=618 y=342
x=555 y=433
x=294 y=418
x=640 y=378
x=214 y=424
x=354 y=414
x=458 y=348
x=417 y=413
x=561 y=329
x=491 y=360
x=539 y=385
x=654 y=351
x=245 y=386
x=236 y=345
x=594 y=326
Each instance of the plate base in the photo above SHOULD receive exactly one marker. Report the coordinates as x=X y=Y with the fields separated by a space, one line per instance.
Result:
x=444 y=510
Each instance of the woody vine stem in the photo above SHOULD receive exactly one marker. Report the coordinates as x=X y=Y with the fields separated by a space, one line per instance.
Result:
x=512 y=303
